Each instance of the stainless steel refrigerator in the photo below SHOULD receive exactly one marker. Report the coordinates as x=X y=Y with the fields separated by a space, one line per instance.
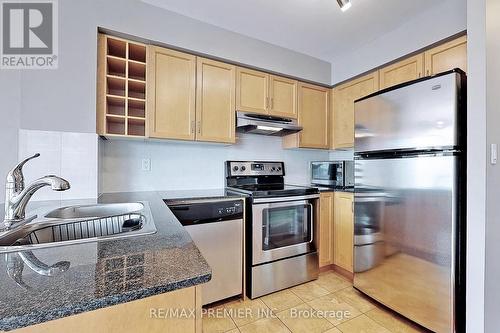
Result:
x=409 y=230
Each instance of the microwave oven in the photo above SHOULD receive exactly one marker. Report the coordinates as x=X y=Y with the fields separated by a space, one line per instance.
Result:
x=333 y=173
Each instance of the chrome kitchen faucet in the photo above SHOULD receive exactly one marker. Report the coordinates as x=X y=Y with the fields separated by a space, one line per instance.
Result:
x=17 y=196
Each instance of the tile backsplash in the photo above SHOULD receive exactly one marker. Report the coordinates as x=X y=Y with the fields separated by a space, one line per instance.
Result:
x=72 y=156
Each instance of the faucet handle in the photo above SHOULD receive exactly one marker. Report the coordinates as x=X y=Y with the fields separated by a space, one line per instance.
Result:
x=15 y=178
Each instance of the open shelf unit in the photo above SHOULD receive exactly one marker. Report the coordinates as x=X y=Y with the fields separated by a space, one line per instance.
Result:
x=121 y=87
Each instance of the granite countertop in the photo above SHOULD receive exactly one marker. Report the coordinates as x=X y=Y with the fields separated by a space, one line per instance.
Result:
x=107 y=272
x=329 y=189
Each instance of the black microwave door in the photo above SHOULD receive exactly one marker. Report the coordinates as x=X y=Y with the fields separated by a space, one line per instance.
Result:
x=326 y=173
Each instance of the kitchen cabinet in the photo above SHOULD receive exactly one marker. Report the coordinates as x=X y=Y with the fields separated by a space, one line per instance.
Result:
x=145 y=315
x=405 y=70
x=215 y=101
x=326 y=235
x=252 y=91
x=343 y=230
x=121 y=87
x=191 y=98
x=262 y=93
x=314 y=116
x=447 y=56
x=343 y=108
x=171 y=99
x=283 y=97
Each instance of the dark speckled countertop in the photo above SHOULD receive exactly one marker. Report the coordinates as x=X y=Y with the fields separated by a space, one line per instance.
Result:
x=107 y=272
x=329 y=189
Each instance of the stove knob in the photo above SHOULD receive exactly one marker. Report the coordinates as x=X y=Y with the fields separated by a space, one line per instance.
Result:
x=273 y=169
x=235 y=168
x=279 y=168
x=243 y=168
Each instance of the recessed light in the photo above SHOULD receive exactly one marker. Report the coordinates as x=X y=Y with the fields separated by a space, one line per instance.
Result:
x=344 y=4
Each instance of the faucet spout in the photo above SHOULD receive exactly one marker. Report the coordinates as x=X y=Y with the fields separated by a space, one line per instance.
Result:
x=17 y=196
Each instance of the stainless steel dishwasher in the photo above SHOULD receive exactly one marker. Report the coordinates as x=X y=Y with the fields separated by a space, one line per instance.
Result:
x=216 y=227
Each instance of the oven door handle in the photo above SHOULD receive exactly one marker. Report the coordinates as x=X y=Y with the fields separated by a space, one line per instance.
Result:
x=284 y=199
x=311 y=216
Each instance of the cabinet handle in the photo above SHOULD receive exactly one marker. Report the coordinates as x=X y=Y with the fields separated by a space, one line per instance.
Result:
x=272 y=103
x=192 y=126
x=267 y=102
x=199 y=127
x=352 y=206
x=428 y=72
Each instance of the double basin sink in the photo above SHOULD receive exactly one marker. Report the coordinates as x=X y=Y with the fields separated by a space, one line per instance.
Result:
x=78 y=224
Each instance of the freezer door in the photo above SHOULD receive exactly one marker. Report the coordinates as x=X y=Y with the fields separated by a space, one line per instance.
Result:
x=418 y=116
x=405 y=236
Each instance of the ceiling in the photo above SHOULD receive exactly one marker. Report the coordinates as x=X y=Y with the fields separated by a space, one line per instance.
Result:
x=314 y=27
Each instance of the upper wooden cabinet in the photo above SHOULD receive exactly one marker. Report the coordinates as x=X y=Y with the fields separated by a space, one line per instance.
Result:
x=283 y=96
x=447 y=56
x=190 y=98
x=343 y=108
x=343 y=230
x=172 y=85
x=215 y=101
x=252 y=91
x=326 y=229
x=259 y=92
x=121 y=87
x=403 y=71
x=313 y=112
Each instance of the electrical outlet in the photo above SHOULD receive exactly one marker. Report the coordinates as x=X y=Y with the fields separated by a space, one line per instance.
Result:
x=146 y=164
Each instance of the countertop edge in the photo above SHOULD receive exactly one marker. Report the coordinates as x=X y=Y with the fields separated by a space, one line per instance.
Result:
x=17 y=322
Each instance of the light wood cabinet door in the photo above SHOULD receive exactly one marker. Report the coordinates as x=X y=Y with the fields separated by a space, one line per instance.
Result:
x=252 y=91
x=403 y=71
x=283 y=97
x=447 y=56
x=172 y=93
x=326 y=229
x=215 y=101
x=343 y=108
x=343 y=230
x=313 y=116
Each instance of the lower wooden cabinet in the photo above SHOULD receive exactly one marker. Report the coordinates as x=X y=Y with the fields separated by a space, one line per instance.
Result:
x=145 y=315
x=150 y=315
x=343 y=230
x=325 y=234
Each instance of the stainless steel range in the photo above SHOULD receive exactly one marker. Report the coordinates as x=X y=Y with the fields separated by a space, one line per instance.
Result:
x=280 y=227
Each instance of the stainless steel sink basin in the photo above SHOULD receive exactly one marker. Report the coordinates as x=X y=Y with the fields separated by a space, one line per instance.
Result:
x=94 y=211
x=78 y=224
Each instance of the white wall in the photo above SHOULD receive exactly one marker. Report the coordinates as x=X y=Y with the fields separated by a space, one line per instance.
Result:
x=492 y=265
x=177 y=166
x=439 y=22
x=476 y=172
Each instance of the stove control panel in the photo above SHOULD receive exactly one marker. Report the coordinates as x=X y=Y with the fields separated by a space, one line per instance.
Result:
x=248 y=168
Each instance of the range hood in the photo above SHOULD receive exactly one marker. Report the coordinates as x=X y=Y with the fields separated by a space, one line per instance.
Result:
x=265 y=125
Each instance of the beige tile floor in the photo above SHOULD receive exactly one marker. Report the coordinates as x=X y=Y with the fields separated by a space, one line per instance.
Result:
x=329 y=305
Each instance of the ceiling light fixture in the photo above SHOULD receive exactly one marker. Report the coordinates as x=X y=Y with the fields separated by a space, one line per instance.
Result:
x=344 y=4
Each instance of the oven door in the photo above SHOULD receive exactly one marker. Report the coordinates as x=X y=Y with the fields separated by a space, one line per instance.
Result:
x=282 y=227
